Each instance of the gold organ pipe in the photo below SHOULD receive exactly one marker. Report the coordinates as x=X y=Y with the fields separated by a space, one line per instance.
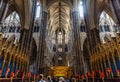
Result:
x=5 y=48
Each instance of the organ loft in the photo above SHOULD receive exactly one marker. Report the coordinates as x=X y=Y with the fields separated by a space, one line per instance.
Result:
x=68 y=40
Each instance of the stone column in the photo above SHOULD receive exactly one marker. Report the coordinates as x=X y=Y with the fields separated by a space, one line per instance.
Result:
x=92 y=34
x=31 y=26
x=95 y=36
x=3 y=9
x=77 y=43
x=21 y=35
x=24 y=37
x=116 y=9
x=42 y=42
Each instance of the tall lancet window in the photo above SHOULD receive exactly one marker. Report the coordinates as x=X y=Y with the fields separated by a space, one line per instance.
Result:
x=11 y=23
x=38 y=10
x=107 y=27
x=59 y=37
x=107 y=23
x=81 y=9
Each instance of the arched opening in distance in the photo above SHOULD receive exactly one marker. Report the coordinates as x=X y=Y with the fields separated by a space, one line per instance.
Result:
x=107 y=27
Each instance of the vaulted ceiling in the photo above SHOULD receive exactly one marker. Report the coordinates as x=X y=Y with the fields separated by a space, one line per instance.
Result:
x=59 y=11
x=59 y=16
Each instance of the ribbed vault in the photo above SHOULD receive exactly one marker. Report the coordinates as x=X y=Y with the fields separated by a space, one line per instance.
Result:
x=59 y=13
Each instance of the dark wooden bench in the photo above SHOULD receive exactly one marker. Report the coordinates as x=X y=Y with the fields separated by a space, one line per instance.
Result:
x=105 y=80
x=14 y=80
